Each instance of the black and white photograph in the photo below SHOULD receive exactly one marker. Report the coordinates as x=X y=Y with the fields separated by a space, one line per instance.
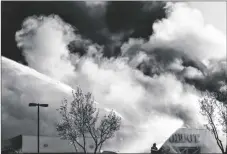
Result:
x=113 y=77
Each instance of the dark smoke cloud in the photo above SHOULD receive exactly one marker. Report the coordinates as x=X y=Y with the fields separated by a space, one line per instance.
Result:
x=93 y=20
x=207 y=79
x=191 y=70
x=136 y=16
x=214 y=80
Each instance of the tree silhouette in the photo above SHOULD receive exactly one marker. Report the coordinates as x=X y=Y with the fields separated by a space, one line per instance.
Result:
x=216 y=115
x=80 y=120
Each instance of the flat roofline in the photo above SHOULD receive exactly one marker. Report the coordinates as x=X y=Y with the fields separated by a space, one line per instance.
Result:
x=21 y=135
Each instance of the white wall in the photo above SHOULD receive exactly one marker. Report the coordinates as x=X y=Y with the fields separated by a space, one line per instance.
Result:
x=50 y=144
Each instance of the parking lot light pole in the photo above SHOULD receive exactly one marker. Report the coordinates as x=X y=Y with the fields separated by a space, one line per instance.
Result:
x=38 y=105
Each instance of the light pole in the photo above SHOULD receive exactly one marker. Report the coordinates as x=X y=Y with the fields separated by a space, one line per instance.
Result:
x=225 y=128
x=38 y=105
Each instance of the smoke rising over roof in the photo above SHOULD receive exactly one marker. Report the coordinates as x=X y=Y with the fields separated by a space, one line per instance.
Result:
x=150 y=64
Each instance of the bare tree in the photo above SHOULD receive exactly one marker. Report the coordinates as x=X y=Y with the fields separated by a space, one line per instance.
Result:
x=80 y=120
x=216 y=115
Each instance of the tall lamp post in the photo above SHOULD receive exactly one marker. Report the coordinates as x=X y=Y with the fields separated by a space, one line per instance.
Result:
x=38 y=105
x=226 y=129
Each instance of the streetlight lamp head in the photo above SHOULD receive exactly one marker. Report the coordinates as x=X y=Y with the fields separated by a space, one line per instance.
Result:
x=38 y=105
x=43 y=105
x=32 y=104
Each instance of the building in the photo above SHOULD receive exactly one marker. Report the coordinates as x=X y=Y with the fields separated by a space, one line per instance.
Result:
x=28 y=144
x=183 y=141
x=191 y=141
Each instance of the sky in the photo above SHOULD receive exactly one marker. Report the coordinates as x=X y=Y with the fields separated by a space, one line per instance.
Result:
x=213 y=12
x=151 y=63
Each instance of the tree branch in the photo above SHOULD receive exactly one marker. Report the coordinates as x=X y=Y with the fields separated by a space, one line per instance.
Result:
x=67 y=119
x=81 y=121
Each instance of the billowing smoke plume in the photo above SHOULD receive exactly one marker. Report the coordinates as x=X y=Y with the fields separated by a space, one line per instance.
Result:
x=153 y=83
x=44 y=43
x=185 y=45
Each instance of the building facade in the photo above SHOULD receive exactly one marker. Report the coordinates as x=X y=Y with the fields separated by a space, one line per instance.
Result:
x=191 y=141
x=183 y=141
x=28 y=144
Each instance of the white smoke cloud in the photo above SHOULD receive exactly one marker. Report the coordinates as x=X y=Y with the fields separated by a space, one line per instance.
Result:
x=183 y=35
x=147 y=104
x=95 y=3
x=44 y=43
x=176 y=65
x=192 y=73
x=223 y=88
x=186 y=31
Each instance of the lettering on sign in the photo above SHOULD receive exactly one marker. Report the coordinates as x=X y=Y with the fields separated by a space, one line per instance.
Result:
x=184 y=138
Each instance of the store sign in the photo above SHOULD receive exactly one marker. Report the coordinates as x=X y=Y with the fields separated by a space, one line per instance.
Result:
x=184 y=138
